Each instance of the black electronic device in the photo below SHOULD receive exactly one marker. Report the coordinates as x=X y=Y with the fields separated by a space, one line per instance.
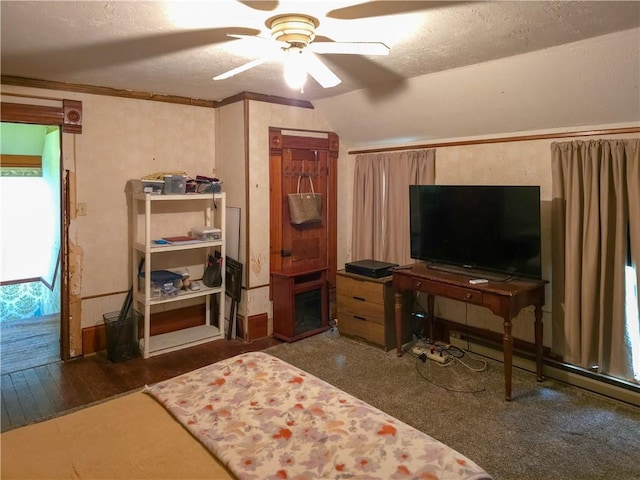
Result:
x=370 y=268
x=491 y=231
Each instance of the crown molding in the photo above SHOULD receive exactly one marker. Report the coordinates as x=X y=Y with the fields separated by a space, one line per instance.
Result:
x=112 y=92
x=156 y=97
x=259 y=97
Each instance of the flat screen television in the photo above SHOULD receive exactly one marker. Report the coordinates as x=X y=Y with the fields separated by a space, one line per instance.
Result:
x=491 y=231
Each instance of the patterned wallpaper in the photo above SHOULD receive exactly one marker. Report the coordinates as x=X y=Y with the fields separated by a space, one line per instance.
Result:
x=26 y=300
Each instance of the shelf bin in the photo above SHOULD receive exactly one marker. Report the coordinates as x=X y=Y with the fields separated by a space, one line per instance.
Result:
x=122 y=335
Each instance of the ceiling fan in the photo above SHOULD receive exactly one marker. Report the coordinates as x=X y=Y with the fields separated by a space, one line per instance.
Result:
x=292 y=42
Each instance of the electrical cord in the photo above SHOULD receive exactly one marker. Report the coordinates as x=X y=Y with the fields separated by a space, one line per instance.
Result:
x=448 y=389
x=454 y=355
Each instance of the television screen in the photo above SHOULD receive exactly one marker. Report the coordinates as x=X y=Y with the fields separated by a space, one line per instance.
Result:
x=477 y=229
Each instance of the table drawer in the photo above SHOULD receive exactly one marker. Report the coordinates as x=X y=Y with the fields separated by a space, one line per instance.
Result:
x=368 y=311
x=360 y=289
x=357 y=327
x=449 y=291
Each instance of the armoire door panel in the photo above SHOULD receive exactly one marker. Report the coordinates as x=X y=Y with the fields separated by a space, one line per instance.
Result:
x=307 y=243
x=312 y=154
x=306 y=249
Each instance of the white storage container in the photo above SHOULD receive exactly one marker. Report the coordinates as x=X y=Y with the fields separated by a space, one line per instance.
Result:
x=174 y=184
x=206 y=234
x=152 y=186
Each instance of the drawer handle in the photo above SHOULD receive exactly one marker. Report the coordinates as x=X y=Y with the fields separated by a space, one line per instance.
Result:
x=418 y=284
x=468 y=296
x=359 y=318
x=360 y=299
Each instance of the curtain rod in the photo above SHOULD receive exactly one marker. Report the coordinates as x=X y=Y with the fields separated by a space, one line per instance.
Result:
x=520 y=138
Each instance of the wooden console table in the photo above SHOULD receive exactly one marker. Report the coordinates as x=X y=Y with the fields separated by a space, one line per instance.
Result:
x=504 y=299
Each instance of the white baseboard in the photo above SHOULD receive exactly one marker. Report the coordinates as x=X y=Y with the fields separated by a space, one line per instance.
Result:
x=549 y=370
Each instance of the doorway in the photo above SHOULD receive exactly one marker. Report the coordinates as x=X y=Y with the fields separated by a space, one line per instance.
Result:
x=30 y=240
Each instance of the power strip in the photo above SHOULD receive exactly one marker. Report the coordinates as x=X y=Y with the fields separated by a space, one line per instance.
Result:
x=435 y=356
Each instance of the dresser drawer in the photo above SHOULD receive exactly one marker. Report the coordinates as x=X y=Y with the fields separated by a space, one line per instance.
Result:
x=365 y=309
x=358 y=327
x=449 y=291
x=363 y=290
x=360 y=309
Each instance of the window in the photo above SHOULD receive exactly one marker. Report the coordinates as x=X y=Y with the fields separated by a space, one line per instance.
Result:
x=632 y=314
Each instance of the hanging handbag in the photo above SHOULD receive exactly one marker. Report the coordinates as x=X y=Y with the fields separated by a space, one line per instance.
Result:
x=305 y=208
x=212 y=276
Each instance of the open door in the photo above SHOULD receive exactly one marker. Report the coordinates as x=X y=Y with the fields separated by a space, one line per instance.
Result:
x=68 y=116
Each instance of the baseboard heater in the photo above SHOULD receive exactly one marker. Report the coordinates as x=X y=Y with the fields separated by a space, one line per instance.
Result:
x=607 y=386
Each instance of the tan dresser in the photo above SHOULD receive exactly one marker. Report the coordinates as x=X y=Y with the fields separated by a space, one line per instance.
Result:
x=366 y=309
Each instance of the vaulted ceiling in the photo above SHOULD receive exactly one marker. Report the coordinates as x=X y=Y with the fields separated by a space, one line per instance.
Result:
x=175 y=48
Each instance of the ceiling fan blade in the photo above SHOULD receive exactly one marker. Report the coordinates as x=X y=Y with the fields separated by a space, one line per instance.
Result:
x=382 y=8
x=242 y=68
x=360 y=48
x=262 y=5
x=249 y=37
x=320 y=72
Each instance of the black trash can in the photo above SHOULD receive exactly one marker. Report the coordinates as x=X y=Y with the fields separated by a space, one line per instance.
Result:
x=122 y=336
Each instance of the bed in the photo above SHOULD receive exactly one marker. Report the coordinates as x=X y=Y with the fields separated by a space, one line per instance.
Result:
x=249 y=417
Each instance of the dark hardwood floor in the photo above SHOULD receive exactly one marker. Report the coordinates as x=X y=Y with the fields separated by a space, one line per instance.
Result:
x=32 y=394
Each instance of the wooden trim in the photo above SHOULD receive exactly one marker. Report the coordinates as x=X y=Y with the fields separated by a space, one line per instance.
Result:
x=26 y=113
x=258 y=97
x=34 y=279
x=102 y=295
x=518 y=138
x=68 y=116
x=22 y=280
x=332 y=187
x=256 y=287
x=20 y=161
x=65 y=274
x=257 y=327
x=156 y=97
x=72 y=113
x=247 y=190
x=94 y=339
x=111 y=92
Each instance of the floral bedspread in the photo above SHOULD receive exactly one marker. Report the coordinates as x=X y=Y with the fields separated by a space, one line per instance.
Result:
x=267 y=420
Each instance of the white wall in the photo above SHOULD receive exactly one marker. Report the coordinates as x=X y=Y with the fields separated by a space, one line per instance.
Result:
x=588 y=85
x=590 y=82
x=122 y=139
x=505 y=163
x=593 y=84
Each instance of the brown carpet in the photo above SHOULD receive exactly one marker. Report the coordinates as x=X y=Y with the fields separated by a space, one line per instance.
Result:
x=550 y=430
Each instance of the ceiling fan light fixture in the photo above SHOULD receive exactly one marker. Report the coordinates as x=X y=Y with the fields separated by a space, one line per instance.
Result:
x=296 y=30
x=295 y=68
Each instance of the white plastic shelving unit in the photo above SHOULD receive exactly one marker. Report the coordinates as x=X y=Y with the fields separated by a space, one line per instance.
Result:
x=143 y=247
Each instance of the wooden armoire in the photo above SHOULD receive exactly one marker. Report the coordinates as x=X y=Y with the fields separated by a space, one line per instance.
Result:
x=302 y=257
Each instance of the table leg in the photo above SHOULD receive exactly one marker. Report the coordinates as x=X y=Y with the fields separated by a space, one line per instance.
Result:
x=398 y=312
x=538 y=338
x=508 y=358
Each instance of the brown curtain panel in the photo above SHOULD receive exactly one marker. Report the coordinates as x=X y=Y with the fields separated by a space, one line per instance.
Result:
x=381 y=202
x=596 y=197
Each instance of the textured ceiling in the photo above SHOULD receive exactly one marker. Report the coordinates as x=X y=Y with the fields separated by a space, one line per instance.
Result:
x=175 y=48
